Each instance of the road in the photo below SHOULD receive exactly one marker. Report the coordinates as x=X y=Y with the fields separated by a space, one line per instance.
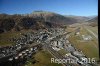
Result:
x=95 y=35
x=54 y=53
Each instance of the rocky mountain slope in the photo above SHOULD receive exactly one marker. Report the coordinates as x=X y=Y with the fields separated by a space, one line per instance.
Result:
x=36 y=20
x=52 y=17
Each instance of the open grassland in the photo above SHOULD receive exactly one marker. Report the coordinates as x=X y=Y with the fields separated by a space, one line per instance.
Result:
x=89 y=48
x=94 y=29
x=63 y=52
x=85 y=32
x=43 y=58
x=5 y=37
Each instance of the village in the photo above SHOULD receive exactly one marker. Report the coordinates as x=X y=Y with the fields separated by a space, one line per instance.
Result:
x=27 y=45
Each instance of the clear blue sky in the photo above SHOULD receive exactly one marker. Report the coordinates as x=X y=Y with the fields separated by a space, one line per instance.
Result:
x=65 y=7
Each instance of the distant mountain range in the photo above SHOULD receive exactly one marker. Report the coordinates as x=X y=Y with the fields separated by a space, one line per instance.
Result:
x=93 y=22
x=78 y=18
x=95 y=19
x=37 y=20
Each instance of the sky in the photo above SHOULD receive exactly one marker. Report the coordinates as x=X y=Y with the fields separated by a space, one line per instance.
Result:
x=64 y=7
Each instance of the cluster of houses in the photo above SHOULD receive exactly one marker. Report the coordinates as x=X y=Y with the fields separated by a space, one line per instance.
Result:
x=21 y=48
x=74 y=54
x=24 y=45
x=86 y=37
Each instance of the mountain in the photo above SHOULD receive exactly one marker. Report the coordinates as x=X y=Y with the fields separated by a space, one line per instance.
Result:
x=19 y=22
x=52 y=17
x=93 y=22
x=78 y=18
x=95 y=19
x=36 y=20
x=91 y=17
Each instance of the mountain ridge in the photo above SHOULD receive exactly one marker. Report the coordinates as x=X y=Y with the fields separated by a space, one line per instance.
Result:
x=36 y=20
